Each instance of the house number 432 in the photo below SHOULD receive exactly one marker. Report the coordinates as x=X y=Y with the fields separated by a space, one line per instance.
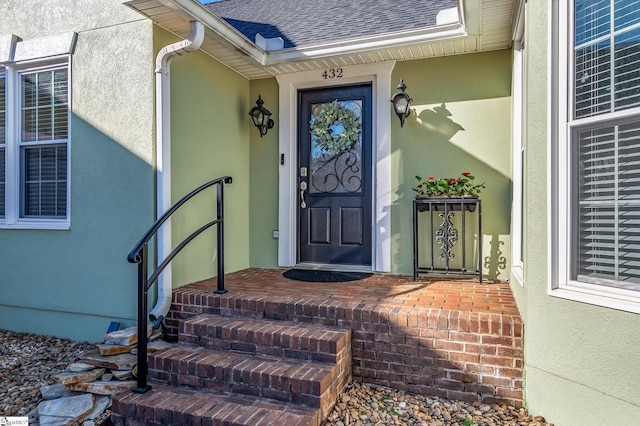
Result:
x=332 y=73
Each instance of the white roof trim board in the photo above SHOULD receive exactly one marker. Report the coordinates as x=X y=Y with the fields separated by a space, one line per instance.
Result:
x=475 y=26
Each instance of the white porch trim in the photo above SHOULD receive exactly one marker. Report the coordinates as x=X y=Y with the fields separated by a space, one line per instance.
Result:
x=379 y=75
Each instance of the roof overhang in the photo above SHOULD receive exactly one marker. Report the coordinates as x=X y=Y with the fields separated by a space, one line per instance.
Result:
x=480 y=27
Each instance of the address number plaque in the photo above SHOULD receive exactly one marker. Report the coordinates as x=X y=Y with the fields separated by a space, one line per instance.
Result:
x=331 y=73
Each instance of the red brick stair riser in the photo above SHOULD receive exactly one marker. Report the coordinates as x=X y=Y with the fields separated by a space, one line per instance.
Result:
x=289 y=340
x=165 y=405
x=257 y=375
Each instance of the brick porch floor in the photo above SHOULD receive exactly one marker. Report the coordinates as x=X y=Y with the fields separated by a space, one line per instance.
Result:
x=388 y=290
x=454 y=338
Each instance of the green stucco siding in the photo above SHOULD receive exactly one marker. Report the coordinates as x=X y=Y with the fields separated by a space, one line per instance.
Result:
x=460 y=122
x=265 y=163
x=581 y=361
x=72 y=283
x=210 y=128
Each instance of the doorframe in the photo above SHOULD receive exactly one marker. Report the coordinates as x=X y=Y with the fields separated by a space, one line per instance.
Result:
x=379 y=75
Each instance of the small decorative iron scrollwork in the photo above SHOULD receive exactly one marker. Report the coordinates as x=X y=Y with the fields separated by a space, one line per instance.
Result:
x=336 y=173
x=446 y=236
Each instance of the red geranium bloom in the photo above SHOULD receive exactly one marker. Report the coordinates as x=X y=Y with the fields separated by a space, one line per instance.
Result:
x=466 y=173
x=431 y=178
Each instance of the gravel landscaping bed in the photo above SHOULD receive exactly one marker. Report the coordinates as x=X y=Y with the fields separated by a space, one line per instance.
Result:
x=365 y=404
x=29 y=361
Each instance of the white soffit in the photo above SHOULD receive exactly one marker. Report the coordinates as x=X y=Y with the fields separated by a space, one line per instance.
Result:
x=487 y=26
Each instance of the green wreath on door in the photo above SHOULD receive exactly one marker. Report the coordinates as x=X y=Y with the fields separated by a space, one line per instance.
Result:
x=321 y=128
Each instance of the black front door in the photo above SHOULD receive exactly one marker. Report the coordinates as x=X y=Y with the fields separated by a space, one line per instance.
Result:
x=334 y=176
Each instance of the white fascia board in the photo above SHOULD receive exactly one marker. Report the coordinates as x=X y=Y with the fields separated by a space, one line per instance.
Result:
x=385 y=41
x=192 y=10
x=471 y=16
x=518 y=20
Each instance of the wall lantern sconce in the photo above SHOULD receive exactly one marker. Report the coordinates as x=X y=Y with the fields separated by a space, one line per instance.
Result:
x=401 y=102
x=261 y=117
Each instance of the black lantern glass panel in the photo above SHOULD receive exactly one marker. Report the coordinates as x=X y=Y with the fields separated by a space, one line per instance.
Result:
x=401 y=102
x=261 y=117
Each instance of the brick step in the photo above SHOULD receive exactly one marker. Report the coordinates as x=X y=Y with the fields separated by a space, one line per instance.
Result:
x=185 y=406
x=289 y=380
x=269 y=337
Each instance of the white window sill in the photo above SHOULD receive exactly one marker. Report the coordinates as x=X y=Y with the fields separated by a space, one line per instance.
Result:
x=599 y=298
x=55 y=226
x=517 y=272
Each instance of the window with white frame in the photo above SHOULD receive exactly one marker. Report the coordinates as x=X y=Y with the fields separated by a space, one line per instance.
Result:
x=34 y=165
x=598 y=153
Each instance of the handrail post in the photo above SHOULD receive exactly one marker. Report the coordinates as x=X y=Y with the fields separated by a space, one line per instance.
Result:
x=142 y=386
x=220 y=237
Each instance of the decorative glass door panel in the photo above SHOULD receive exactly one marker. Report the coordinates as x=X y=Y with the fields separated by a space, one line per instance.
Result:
x=337 y=170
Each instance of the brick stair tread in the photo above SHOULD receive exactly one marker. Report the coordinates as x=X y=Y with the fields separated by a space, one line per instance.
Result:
x=184 y=405
x=262 y=335
x=240 y=372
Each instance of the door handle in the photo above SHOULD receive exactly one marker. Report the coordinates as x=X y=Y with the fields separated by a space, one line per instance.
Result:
x=303 y=187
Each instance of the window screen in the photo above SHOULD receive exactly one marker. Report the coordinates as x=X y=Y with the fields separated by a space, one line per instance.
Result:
x=43 y=150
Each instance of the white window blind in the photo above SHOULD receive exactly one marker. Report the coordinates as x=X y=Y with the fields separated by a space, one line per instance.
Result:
x=605 y=150
x=607 y=217
x=607 y=57
x=43 y=143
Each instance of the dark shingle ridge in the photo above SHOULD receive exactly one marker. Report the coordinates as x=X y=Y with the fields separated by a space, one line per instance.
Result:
x=303 y=23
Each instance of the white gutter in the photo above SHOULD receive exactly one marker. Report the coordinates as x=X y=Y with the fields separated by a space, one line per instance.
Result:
x=163 y=159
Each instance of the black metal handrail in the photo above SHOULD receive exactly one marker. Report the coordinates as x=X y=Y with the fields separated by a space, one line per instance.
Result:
x=139 y=254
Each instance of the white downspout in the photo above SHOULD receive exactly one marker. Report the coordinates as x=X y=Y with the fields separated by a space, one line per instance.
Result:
x=163 y=159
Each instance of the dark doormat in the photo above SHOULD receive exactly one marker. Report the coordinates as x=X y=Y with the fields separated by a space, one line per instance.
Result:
x=324 y=276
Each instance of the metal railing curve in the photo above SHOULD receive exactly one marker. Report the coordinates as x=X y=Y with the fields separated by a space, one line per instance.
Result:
x=140 y=255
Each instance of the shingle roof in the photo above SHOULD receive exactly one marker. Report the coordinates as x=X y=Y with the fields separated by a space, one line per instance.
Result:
x=303 y=23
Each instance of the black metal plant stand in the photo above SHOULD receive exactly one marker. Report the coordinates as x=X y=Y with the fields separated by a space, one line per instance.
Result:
x=441 y=212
